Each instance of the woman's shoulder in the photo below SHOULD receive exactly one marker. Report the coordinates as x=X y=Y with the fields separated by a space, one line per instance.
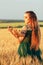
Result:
x=24 y=27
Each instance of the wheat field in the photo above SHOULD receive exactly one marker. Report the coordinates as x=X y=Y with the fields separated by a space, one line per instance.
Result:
x=8 y=50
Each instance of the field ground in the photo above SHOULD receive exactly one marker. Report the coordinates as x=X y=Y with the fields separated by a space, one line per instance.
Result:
x=9 y=45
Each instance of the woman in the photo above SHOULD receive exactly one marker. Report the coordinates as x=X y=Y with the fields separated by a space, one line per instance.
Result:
x=29 y=36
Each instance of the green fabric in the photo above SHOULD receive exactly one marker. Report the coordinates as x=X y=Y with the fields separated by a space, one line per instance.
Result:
x=25 y=45
x=22 y=49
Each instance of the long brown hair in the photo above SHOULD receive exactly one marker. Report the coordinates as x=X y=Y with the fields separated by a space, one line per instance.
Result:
x=35 y=39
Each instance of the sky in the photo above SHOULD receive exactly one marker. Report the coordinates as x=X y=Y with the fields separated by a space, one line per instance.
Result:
x=14 y=9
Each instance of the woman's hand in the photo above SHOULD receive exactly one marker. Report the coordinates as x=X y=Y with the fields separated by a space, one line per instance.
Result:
x=13 y=31
x=10 y=28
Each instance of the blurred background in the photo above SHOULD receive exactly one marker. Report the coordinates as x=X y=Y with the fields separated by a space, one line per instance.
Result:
x=12 y=14
x=13 y=11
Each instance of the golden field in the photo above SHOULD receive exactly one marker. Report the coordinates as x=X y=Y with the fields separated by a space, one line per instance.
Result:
x=8 y=50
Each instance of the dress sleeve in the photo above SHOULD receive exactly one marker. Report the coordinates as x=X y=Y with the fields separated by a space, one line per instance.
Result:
x=24 y=30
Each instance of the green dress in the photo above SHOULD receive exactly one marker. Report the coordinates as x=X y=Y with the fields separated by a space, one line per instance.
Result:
x=24 y=48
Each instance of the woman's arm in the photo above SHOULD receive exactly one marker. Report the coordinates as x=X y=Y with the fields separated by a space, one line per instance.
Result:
x=20 y=36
